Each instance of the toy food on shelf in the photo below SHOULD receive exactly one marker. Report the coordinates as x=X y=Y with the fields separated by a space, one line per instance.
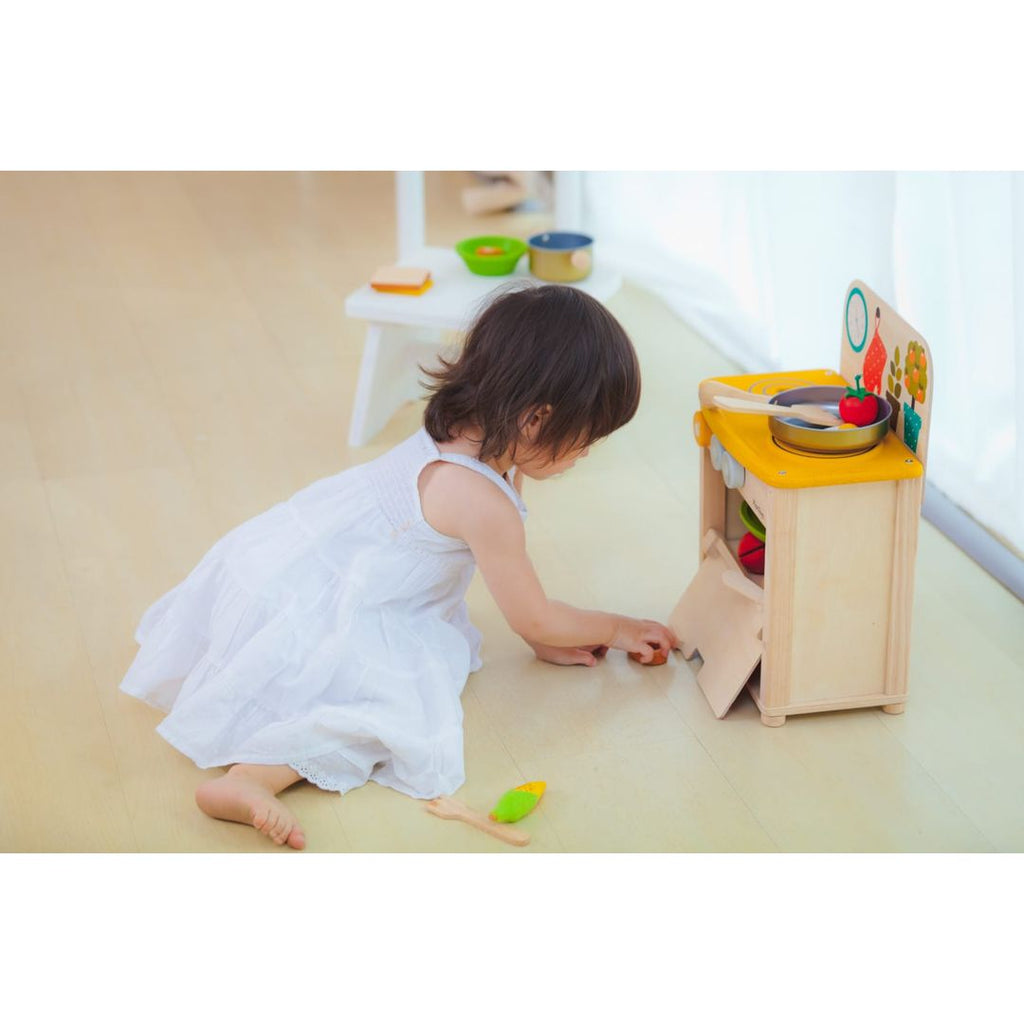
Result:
x=751 y=553
x=517 y=803
x=751 y=547
x=401 y=280
x=858 y=406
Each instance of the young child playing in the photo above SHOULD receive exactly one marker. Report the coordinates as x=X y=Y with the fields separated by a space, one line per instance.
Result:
x=327 y=639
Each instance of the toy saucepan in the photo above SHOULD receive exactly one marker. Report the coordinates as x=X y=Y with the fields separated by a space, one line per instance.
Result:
x=805 y=437
x=561 y=256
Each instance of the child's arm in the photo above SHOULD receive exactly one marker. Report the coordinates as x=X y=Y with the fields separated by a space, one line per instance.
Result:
x=587 y=656
x=464 y=504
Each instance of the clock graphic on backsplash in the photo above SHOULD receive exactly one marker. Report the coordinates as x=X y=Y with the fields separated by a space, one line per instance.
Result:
x=856 y=319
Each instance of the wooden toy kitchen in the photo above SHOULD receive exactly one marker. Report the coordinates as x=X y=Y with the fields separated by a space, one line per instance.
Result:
x=828 y=619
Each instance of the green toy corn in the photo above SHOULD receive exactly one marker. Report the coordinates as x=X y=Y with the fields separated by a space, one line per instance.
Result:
x=517 y=803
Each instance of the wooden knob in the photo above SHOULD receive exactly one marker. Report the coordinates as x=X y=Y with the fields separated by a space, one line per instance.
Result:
x=717 y=451
x=733 y=474
x=701 y=430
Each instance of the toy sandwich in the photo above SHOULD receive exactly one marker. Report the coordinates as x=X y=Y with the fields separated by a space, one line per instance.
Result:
x=401 y=280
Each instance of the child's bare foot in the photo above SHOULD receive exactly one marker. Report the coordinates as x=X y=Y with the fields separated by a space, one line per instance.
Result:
x=247 y=794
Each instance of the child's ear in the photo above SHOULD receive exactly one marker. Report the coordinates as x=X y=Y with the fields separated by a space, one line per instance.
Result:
x=534 y=421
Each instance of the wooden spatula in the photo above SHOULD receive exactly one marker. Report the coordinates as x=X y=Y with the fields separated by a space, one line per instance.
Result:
x=709 y=389
x=805 y=411
x=449 y=807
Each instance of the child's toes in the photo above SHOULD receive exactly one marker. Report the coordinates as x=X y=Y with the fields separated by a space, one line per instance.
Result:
x=277 y=824
x=268 y=823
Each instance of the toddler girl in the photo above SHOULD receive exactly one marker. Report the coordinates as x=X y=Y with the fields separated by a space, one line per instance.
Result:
x=327 y=639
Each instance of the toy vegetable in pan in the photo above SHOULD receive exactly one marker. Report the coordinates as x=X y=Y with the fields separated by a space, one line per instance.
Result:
x=858 y=406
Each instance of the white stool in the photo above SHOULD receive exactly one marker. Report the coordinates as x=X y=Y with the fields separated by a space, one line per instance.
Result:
x=404 y=331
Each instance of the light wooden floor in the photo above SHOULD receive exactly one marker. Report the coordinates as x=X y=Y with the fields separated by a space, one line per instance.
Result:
x=175 y=359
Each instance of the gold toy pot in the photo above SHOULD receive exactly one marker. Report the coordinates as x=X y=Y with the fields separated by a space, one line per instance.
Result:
x=561 y=256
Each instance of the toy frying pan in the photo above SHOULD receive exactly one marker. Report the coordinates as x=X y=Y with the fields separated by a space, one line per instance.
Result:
x=799 y=435
x=845 y=440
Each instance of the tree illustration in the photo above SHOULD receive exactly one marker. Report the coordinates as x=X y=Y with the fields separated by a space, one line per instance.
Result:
x=893 y=385
x=915 y=373
x=915 y=379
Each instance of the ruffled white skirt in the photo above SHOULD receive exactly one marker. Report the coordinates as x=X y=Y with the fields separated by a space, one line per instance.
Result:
x=318 y=636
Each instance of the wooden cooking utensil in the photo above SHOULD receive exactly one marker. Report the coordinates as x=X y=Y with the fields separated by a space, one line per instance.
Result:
x=708 y=390
x=804 y=411
x=449 y=807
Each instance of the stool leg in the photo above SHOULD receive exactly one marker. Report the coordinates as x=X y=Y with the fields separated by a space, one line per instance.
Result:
x=357 y=432
x=773 y=720
x=389 y=375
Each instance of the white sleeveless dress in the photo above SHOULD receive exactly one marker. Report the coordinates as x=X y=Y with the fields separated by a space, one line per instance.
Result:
x=329 y=633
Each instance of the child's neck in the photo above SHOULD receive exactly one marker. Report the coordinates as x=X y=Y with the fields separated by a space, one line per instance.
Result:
x=464 y=444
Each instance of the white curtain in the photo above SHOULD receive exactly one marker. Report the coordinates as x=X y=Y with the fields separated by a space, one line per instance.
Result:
x=759 y=263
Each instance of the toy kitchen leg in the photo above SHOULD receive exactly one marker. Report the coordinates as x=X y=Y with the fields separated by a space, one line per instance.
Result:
x=909 y=498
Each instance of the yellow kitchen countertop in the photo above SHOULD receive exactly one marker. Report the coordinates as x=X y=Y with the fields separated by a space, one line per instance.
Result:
x=748 y=439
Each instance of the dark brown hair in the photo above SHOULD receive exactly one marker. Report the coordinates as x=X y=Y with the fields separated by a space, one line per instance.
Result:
x=535 y=346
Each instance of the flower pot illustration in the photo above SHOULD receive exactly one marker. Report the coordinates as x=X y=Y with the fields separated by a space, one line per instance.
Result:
x=911 y=426
x=894 y=411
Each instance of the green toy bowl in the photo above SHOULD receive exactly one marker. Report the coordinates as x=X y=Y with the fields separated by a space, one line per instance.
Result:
x=751 y=522
x=491 y=265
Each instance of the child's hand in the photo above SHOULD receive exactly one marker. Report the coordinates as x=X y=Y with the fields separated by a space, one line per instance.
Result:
x=642 y=637
x=569 y=655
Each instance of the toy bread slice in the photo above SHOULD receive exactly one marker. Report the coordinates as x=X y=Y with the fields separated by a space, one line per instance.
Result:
x=403 y=280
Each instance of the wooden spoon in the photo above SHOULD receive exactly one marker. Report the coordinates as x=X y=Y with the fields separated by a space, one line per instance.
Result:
x=449 y=807
x=805 y=411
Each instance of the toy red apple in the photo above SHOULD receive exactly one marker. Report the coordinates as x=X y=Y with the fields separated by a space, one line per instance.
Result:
x=858 y=406
x=751 y=553
x=660 y=656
